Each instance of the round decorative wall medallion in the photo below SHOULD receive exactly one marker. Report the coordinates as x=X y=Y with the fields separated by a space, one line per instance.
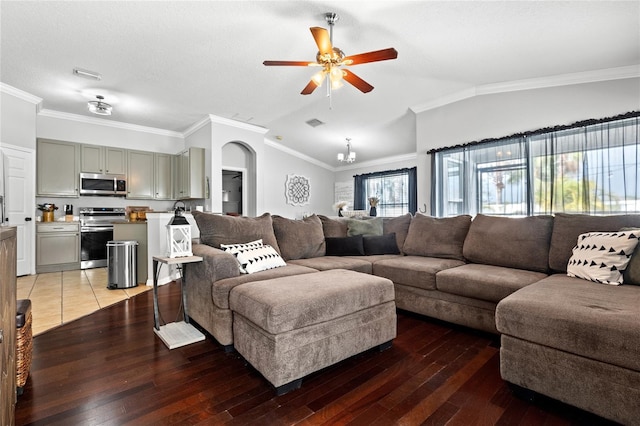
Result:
x=297 y=190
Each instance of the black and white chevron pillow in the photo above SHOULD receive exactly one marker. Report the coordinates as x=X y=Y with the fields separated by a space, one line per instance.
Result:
x=602 y=257
x=259 y=259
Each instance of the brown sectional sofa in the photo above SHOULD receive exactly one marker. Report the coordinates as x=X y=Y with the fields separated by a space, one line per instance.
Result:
x=569 y=338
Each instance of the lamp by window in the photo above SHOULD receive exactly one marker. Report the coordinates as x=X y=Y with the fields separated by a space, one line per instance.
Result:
x=99 y=107
x=179 y=236
x=350 y=156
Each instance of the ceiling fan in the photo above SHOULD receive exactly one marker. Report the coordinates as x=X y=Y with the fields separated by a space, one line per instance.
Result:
x=332 y=59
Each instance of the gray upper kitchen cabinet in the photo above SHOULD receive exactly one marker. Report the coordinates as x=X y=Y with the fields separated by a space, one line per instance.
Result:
x=140 y=182
x=103 y=159
x=191 y=174
x=57 y=172
x=163 y=177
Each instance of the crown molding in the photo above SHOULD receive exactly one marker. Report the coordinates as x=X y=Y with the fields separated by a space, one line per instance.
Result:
x=211 y=119
x=20 y=94
x=620 y=73
x=378 y=162
x=108 y=123
x=297 y=154
x=238 y=124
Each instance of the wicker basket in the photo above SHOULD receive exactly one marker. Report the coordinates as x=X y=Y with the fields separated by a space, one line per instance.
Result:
x=24 y=343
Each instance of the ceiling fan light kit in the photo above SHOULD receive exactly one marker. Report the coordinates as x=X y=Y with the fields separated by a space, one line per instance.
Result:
x=99 y=107
x=332 y=59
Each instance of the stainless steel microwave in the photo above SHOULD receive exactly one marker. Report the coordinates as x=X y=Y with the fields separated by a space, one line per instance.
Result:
x=103 y=184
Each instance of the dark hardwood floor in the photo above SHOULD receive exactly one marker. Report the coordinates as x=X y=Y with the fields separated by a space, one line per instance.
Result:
x=110 y=368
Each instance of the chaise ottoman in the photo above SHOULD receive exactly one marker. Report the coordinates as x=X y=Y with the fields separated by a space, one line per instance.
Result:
x=289 y=327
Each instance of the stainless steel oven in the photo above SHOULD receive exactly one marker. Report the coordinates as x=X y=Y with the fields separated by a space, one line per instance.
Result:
x=96 y=229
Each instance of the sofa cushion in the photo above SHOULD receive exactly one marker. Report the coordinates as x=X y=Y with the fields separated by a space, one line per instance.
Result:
x=567 y=227
x=437 y=237
x=291 y=303
x=221 y=229
x=299 y=239
x=521 y=243
x=398 y=225
x=345 y=246
x=414 y=271
x=221 y=288
x=631 y=274
x=381 y=244
x=577 y=316
x=333 y=227
x=325 y=263
x=485 y=282
x=364 y=227
x=602 y=256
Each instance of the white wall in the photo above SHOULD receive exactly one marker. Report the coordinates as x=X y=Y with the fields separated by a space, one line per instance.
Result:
x=102 y=132
x=279 y=165
x=17 y=121
x=503 y=114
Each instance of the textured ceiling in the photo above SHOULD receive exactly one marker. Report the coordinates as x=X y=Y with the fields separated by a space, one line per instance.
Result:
x=169 y=64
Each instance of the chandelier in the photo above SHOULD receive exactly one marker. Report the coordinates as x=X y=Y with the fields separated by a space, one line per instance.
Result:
x=350 y=156
x=99 y=107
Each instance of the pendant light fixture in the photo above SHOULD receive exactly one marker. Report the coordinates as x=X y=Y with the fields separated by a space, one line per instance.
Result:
x=99 y=107
x=350 y=156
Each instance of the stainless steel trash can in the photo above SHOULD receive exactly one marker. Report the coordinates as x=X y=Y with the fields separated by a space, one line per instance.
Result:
x=121 y=264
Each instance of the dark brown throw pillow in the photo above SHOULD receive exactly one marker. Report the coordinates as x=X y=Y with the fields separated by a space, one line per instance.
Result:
x=218 y=229
x=345 y=246
x=380 y=244
x=299 y=239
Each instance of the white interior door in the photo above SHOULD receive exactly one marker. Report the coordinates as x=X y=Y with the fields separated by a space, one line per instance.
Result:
x=19 y=183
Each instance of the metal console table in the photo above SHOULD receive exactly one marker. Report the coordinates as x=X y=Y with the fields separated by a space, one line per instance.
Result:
x=181 y=333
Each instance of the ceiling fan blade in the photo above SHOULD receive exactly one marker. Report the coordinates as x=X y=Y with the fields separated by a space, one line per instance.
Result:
x=321 y=36
x=288 y=63
x=356 y=81
x=309 y=88
x=375 y=56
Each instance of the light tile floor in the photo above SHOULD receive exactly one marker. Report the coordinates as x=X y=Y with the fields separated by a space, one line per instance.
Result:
x=60 y=297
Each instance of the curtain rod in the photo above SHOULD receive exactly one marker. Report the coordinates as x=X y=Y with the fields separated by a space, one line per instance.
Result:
x=557 y=128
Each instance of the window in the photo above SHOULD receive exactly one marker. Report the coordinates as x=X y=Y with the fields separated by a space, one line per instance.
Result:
x=395 y=190
x=590 y=167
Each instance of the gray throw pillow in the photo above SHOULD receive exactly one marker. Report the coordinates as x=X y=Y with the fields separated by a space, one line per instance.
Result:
x=364 y=227
x=299 y=239
x=441 y=237
x=218 y=229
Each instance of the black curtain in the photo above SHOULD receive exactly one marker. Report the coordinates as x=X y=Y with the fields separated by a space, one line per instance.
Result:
x=413 y=190
x=359 y=193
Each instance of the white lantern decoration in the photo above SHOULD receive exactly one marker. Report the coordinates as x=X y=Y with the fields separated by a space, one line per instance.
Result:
x=179 y=236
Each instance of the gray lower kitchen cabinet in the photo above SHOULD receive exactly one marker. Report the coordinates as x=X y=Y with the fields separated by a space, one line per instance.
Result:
x=57 y=246
x=57 y=172
x=140 y=175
